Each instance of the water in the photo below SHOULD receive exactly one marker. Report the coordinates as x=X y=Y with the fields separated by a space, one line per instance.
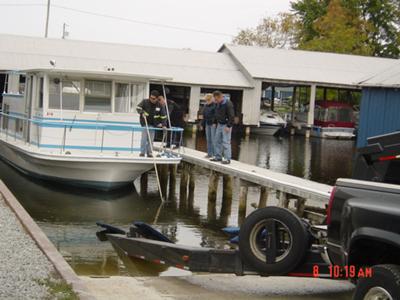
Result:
x=68 y=215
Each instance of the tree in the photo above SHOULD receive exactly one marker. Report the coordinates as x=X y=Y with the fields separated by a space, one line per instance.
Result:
x=339 y=30
x=382 y=17
x=274 y=32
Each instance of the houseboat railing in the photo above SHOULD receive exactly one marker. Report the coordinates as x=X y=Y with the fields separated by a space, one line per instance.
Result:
x=107 y=126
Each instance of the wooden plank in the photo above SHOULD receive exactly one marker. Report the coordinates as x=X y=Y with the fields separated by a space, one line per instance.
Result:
x=278 y=181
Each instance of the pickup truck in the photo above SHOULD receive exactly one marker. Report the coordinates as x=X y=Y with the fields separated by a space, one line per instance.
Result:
x=360 y=240
x=364 y=236
x=363 y=221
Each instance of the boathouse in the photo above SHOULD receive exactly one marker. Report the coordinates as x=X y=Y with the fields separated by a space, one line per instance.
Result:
x=246 y=74
x=380 y=105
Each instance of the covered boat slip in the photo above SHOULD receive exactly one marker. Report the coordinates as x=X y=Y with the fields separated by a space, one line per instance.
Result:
x=78 y=128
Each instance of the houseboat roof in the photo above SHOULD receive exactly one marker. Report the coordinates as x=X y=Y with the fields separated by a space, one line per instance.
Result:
x=297 y=66
x=96 y=74
x=183 y=66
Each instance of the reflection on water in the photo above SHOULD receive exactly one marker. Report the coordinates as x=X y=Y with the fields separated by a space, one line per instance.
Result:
x=68 y=215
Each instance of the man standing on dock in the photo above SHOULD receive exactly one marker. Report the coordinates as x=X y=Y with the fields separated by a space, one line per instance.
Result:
x=152 y=114
x=224 y=118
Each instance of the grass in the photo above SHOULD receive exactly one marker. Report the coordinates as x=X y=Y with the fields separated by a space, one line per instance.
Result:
x=58 y=289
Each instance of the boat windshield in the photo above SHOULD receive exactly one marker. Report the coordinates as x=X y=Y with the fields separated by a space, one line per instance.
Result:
x=335 y=114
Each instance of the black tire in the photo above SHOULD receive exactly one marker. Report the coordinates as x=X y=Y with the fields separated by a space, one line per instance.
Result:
x=384 y=279
x=250 y=241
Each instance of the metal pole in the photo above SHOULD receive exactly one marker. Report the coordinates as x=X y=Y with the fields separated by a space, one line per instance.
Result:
x=102 y=140
x=154 y=162
x=133 y=130
x=47 y=19
x=167 y=110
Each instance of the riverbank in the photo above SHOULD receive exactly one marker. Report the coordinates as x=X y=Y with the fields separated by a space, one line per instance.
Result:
x=24 y=267
x=30 y=265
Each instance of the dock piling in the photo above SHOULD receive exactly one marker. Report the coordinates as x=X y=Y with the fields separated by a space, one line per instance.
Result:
x=143 y=184
x=263 y=197
x=213 y=186
x=243 y=190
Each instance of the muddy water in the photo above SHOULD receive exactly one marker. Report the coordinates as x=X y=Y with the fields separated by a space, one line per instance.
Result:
x=68 y=215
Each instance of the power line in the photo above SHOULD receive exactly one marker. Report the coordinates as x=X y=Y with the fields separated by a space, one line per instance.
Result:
x=165 y=26
x=141 y=22
x=21 y=4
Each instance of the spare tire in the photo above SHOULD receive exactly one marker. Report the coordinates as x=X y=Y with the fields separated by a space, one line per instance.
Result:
x=280 y=227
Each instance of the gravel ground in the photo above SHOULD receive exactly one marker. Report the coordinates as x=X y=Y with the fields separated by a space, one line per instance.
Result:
x=22 y=263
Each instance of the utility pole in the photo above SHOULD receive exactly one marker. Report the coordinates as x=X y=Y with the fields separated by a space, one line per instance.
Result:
x=47 y=19
x=65 y=32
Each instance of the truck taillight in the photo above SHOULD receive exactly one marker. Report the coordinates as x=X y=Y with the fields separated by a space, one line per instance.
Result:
x=330 y=204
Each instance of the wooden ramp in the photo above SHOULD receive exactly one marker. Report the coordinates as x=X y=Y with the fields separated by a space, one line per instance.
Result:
x=289 y=184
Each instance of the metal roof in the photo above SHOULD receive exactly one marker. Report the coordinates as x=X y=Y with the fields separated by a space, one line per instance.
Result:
x=297 y=66
x=183 y=66
x=388 y=78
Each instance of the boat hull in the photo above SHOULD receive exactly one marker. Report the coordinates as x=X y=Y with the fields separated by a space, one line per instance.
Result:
x=266 y=129
x=97 y=173
x=340 y=133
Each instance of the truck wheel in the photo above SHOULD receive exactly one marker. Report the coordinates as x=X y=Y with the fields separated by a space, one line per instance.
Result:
x=291 y=240
x=384 y=284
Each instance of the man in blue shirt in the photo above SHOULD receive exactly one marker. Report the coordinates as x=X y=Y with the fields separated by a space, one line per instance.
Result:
x=224 y=119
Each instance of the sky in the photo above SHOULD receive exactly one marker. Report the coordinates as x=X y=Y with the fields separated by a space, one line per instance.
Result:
x=223 y=17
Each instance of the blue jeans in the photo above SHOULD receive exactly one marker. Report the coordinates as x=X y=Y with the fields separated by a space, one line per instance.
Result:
x=223 y=143
x=210 y=136
x=144 y=142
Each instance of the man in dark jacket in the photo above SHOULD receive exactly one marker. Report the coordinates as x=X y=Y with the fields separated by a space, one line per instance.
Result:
x=175 y=117
x=224 y=119
x=153 y=112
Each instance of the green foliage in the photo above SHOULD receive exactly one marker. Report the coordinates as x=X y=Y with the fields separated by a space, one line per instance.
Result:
x=378 y=21
x=273 y=32
x=340 y=31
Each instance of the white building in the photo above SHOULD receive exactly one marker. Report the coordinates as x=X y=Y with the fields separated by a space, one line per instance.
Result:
x=240 y=71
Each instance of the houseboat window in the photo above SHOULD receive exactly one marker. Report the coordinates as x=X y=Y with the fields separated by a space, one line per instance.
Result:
x=71 y=90
x=137 y=95
x=122 y=97
x=40 y=99
x=70 y=94
x=21 y=87
x=97 y=96
x=54 y=93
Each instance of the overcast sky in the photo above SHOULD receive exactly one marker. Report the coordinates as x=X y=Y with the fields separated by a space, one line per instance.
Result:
x=221 y=16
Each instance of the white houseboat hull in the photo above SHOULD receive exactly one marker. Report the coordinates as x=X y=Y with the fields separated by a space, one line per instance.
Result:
x=104 y=173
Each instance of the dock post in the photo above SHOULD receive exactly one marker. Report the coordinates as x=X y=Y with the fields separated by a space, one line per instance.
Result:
x=243 y=190
x=143 y=184
x=212 y=196
x=227 y=187
x=283 y=200
x=183 y=184
x=192 y=183
x=300 y=206
x=213 y=186
x=163 y=173
x=263 y=197
x=172 y=181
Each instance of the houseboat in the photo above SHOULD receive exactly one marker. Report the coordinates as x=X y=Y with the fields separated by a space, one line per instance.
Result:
x=76 y=127
x=333 y=120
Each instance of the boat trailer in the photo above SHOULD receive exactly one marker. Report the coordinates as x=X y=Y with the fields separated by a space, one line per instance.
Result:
x=271 y=253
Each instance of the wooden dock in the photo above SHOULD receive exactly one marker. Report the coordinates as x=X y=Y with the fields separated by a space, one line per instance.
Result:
x=288 y=184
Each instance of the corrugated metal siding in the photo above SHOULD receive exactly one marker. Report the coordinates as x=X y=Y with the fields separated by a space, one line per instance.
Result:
x=380 y=113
